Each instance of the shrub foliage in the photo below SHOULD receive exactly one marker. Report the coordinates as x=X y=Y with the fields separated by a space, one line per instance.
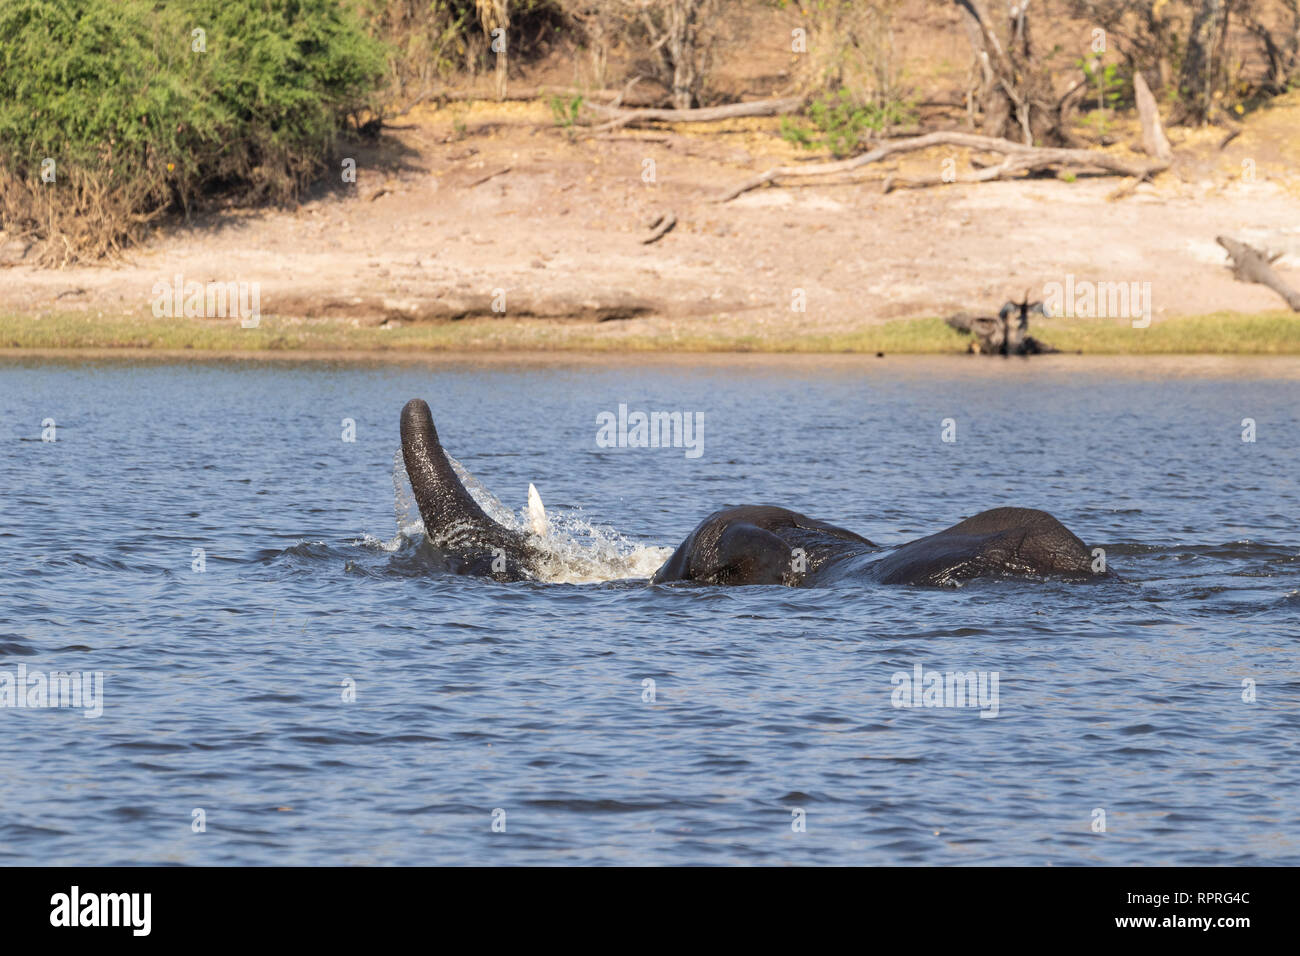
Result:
x=114 y=112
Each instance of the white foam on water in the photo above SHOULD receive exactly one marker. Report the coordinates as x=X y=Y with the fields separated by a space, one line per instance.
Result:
x=573 y=550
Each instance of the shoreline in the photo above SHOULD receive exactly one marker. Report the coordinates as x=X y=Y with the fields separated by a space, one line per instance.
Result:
x=1269 y=333
x=954 y=366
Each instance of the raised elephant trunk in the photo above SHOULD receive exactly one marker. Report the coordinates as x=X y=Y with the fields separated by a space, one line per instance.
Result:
x=453 y=521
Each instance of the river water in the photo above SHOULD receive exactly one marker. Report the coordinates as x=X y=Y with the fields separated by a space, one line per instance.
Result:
x=274 y=674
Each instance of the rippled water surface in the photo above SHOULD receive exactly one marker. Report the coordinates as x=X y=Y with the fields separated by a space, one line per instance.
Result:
x=223 y=689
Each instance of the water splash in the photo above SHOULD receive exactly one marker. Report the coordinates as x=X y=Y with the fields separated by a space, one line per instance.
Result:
x=405 y=510
x=573 y=549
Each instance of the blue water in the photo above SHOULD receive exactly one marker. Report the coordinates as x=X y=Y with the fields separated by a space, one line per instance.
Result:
x=223 y=688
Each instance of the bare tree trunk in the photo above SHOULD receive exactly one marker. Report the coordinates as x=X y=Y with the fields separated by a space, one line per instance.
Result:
x=495 y=17
x=1203 y=62
x=600 y=21
x=1015 y=93
x=680 y=46
x=676 y=31
x=1292 y=43
x=599 y=33
x=1283 y=57
x=994 y=98
x=1154 y=141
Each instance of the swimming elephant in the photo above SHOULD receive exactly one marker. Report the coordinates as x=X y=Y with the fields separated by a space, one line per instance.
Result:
x=752 y=544
x=759 y=544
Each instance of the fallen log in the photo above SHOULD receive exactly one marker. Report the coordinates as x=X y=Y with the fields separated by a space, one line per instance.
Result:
x=1127 y=189
x=1251 y=265
x=482 y=179
x=620 y=116
x=525 y=94
x=660 y=226
x=522 y=94
x=1017 y=158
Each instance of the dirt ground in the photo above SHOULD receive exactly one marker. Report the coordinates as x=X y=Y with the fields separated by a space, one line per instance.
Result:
x=476 y=205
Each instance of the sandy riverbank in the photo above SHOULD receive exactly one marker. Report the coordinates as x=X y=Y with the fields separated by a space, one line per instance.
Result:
x=478 y=207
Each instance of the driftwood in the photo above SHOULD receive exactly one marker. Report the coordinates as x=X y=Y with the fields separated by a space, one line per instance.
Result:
x=660 y=225
x=522 y=94
x=1128 y=188
x=1017 y=158
x=1251 y=265
x=482 y=179
x=372 y=128
x=617 y=116
x=1005 y=334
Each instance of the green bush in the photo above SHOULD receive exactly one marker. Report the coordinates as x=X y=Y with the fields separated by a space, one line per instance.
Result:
x=838 y=122
x=565 y=110
x=146 y=106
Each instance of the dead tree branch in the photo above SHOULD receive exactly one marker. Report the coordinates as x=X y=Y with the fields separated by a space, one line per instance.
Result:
x=482 y=179
x=1017 y=158
x=1251 y=265
x=660 y=225
x=710 y=114
x=1154 y=141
